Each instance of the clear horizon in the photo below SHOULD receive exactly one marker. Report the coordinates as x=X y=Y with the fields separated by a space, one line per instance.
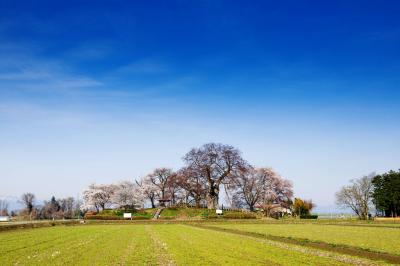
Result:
x=102 y=93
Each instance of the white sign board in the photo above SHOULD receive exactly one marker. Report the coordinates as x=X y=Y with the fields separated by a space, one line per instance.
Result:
x=4 y=219
x=218 y=211
x=127 y=215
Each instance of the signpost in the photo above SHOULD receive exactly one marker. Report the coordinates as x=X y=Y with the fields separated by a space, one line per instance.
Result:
x=127 y=215
x=219 y=212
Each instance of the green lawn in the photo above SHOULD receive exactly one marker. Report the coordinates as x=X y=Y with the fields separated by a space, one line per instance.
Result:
x=158 y=244
x=379 y=238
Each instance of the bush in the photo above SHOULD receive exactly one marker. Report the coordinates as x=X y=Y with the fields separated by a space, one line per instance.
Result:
x=102 y=217
x=166 y=218
x=239 y=215
x=308 y=216
x=210 y=214
x=140 y=218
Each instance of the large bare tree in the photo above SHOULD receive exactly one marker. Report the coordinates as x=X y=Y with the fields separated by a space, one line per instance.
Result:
x=357 y=196
x=28 y=200
x=160 y=178
x=193 y=184
x=216 y=164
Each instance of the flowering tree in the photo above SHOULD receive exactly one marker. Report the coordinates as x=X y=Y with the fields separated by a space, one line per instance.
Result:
x=277 y=189
x=248 y=187
x=148 y=190
x=215 y=164
x=127 y=195
x=97 y=196
x=261 y=186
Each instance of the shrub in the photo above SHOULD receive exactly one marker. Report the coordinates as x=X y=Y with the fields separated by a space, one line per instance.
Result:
x=102 y=217
x=140 y=218
x=308 y=216
x=239 y=215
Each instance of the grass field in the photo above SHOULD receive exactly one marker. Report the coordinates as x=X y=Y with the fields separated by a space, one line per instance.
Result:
x=189 y=244
x=376 y=238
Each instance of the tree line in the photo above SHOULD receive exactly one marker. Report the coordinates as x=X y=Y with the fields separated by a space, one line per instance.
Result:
x=63 y=208
x=207 y=171
x=379 y=191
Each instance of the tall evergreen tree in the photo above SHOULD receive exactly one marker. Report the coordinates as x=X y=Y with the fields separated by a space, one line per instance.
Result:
x=386 y=194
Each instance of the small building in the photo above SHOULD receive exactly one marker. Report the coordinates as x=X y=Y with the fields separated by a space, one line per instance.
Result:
x=279 y=211
x=275 y=210
x=165 y=202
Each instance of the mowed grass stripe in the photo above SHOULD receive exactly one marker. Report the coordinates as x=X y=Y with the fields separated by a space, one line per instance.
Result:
x=91 y=245
x=28 y=239
x=197 y=246
x=379 y=239
x=342 y=249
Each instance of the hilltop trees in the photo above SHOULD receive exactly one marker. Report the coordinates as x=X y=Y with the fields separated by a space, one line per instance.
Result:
x=98 y=196
x=161 y=178
x=192 y=184
x=260 y=186
x=357 y=196
x=214 y=164
x=148 y=190
x=127 y=195
x=206 y=169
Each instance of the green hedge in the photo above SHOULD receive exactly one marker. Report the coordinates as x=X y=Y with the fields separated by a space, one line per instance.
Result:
x=111 y=217
x=239 y=215
x=228 y=215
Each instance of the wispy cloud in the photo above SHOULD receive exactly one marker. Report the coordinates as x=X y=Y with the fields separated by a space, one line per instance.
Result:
x=144 y=66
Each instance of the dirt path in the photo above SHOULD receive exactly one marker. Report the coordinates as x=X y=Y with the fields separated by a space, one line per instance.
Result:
x=161 y=249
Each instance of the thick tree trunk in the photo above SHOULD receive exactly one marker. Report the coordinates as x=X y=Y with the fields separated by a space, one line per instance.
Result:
x=197 y=201
x=212 y=202
x=152 y=203
x=212 y=197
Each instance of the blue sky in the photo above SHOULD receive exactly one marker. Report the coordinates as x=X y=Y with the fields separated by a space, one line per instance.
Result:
x=100 y=92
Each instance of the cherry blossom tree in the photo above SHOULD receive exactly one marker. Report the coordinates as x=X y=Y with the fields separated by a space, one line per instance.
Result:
x=148 y=190
x=97 y=196
x=215 y=164
x=276 y=190
x=248 y=187
x=127 y=195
